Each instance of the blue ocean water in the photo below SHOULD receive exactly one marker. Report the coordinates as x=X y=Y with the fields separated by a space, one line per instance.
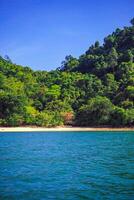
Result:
x=67 y=166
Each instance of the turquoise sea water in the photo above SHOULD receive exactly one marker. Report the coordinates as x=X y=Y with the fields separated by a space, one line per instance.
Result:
x=67 y=166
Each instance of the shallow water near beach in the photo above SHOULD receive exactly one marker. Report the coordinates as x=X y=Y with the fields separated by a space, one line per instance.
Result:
x=67 y=166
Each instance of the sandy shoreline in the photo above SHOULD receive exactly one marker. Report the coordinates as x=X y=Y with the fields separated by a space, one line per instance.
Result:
x=43 y=129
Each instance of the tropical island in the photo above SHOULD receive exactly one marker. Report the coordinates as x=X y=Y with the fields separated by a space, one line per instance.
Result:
x=94 y=90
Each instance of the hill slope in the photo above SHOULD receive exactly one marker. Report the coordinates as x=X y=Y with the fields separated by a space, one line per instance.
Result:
x=96 y=89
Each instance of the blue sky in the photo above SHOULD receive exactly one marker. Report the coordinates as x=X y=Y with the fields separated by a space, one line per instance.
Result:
x=40 y=33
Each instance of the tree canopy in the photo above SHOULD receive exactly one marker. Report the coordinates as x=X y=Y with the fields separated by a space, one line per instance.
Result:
x=95 y=89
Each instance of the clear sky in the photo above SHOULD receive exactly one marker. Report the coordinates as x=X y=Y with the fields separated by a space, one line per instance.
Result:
x=40 y=33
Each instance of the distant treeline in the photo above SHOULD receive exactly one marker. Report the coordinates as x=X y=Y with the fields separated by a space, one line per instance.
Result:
x=95 y=89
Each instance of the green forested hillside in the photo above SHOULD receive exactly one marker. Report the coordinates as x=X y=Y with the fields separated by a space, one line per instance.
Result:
x=95 y=89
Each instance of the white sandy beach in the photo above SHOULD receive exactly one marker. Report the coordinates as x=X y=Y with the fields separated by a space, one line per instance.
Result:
x=66 y=128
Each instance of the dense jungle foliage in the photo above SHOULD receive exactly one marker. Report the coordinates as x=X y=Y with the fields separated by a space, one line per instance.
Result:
x=96 y=89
